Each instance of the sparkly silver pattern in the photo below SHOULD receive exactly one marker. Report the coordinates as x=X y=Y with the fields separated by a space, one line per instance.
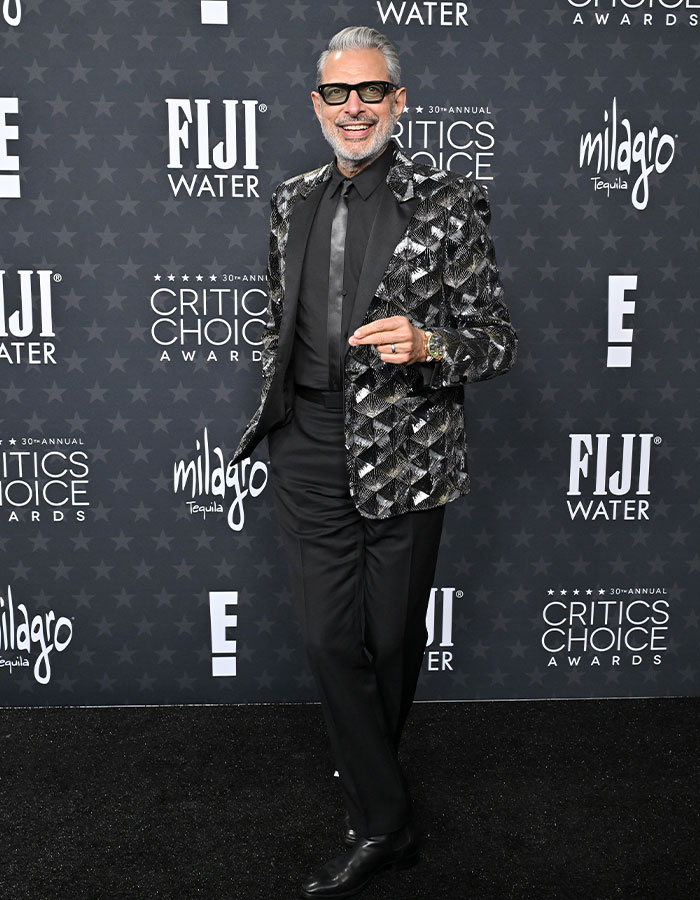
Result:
x=404 y=424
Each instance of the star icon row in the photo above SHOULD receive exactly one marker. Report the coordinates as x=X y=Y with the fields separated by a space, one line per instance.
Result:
x=198 y=277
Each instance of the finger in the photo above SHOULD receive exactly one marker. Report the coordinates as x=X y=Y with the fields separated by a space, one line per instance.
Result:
x=394 y=357
x=397 y=348
x=389 y=324
x=380 y=337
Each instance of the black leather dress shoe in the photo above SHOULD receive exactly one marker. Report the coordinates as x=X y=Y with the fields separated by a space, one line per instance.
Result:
x=349 y=873
x=349 y=833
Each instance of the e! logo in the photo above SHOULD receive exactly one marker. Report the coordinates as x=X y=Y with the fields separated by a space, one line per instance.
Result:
x=620 y=357
x=214 y=12
x=9 y=165
x=223 y=621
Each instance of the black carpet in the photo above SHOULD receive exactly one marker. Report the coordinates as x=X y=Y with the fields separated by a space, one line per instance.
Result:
x=589 y=799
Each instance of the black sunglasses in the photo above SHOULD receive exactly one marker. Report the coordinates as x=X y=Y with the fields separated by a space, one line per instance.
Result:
x=367 y=91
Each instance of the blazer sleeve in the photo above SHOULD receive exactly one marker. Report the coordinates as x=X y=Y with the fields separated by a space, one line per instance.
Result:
x=270 y=334
x=479 y=341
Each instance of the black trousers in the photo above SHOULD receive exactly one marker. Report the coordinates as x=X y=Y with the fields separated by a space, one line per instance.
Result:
x=361 y=589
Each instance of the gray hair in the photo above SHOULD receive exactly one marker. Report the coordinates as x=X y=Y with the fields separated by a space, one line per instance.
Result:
x=360 y=37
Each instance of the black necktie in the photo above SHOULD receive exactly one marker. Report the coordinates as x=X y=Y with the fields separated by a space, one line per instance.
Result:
x=335 y=287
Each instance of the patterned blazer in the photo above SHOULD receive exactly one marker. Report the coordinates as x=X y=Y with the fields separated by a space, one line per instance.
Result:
x=430 y=258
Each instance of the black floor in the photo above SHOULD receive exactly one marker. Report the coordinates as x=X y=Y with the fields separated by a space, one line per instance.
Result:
x=589 y=799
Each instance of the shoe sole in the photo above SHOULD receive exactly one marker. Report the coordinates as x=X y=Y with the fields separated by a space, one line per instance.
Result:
x=404 y=863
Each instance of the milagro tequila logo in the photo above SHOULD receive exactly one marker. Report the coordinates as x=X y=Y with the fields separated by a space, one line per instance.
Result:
x=12 y=12
x=21 y=634
x=615 y=152
x=190 y=124
x=210 y=476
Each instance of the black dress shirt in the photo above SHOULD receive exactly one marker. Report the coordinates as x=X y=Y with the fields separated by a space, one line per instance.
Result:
x=311 y=339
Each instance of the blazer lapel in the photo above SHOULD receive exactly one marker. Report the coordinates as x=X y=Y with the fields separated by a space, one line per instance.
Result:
x=299 y=228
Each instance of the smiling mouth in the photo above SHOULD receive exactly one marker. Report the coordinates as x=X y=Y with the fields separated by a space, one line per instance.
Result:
x=358 y=128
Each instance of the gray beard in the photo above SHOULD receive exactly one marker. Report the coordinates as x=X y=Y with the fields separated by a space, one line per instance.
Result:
x=379 y=141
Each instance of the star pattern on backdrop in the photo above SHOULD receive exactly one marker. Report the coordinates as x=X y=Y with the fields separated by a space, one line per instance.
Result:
x=134 y=574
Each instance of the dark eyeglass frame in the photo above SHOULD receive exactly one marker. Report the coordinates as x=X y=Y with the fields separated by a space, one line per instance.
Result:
x=387 y=87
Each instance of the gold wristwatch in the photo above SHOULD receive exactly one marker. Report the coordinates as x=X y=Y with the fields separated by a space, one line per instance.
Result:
x=434 y=346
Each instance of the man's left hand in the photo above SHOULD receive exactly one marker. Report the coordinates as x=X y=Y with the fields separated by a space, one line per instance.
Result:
x=408 y=342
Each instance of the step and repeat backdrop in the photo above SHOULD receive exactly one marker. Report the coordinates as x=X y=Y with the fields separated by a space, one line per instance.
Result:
x=140 y=141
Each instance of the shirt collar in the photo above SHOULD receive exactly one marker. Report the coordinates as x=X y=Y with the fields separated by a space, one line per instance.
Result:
x=369 y=178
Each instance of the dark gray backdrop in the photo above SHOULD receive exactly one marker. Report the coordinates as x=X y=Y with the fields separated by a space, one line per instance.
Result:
x=119 y=595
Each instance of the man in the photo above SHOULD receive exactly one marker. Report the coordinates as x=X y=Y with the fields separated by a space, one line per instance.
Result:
x=384 y=300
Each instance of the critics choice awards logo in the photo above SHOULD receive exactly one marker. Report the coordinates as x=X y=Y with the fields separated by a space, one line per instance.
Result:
x=455 y=137
x=208 y=318
x=22 y=635
x=210 y=481
x=43 y=477
x=612 y=474
x=191 y=124
x=605 y=626
x=26 y=317
x=623 y=159
x=627 y=12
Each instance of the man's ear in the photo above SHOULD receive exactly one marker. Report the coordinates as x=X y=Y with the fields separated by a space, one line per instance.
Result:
x=316 y=100
x=399 y=101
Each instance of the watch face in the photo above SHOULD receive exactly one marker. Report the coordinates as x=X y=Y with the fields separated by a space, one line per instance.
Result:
x=435 y=345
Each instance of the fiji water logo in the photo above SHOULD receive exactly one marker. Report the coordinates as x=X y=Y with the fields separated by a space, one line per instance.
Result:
x=615 y=152
x=190 y=128
x=618 y=494
x=20 y=633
